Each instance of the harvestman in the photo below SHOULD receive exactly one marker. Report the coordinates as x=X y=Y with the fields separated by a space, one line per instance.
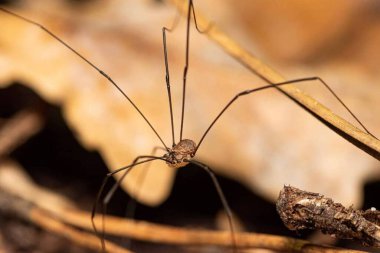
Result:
x=183 y=152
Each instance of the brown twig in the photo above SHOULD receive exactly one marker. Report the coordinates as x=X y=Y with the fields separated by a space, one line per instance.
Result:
x=18 y=129
x=49 y=204
x=85 y=239
x=147 y=231
x=306 y=210
x=27 y=210
x=362 y=140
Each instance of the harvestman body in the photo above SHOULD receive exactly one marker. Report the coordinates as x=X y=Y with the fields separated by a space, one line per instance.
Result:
x=183 y=152
x=180 y=154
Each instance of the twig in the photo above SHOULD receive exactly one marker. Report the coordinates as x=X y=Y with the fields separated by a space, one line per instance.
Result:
x=27 y=210
x=85 y=239
x=58 y=206
x=147 y=231
x=18 y=129
x=362 y=140
x=11 y=172
x=306 y=210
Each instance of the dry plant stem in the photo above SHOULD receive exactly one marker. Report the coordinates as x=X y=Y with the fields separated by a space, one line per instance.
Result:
x=85 y=239
x=146 y=231
x=362 y=140
x=306 y=210
x=35 y=210
x=46 y=220
x=18 y=129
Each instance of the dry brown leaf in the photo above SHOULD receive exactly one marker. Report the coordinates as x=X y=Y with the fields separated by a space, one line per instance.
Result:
x=264 y=141
x=310 y=28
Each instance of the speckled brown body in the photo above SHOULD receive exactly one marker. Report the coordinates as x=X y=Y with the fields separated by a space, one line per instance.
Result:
x=177 y=156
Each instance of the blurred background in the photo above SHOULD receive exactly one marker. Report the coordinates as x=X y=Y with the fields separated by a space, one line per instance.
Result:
x=262 y=142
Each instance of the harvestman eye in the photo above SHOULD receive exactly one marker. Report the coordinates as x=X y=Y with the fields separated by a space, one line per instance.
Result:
x=182 y=151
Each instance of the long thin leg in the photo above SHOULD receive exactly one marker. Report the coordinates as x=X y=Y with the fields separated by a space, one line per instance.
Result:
x=190 y=10
x=186 y=67
x=131 y=205
x=132 y=202
x=246 y=92
x=101 y=72
x=195 y=21
x=167 y=76
x=108 y=196
x=167 y=79
x=223 y=199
